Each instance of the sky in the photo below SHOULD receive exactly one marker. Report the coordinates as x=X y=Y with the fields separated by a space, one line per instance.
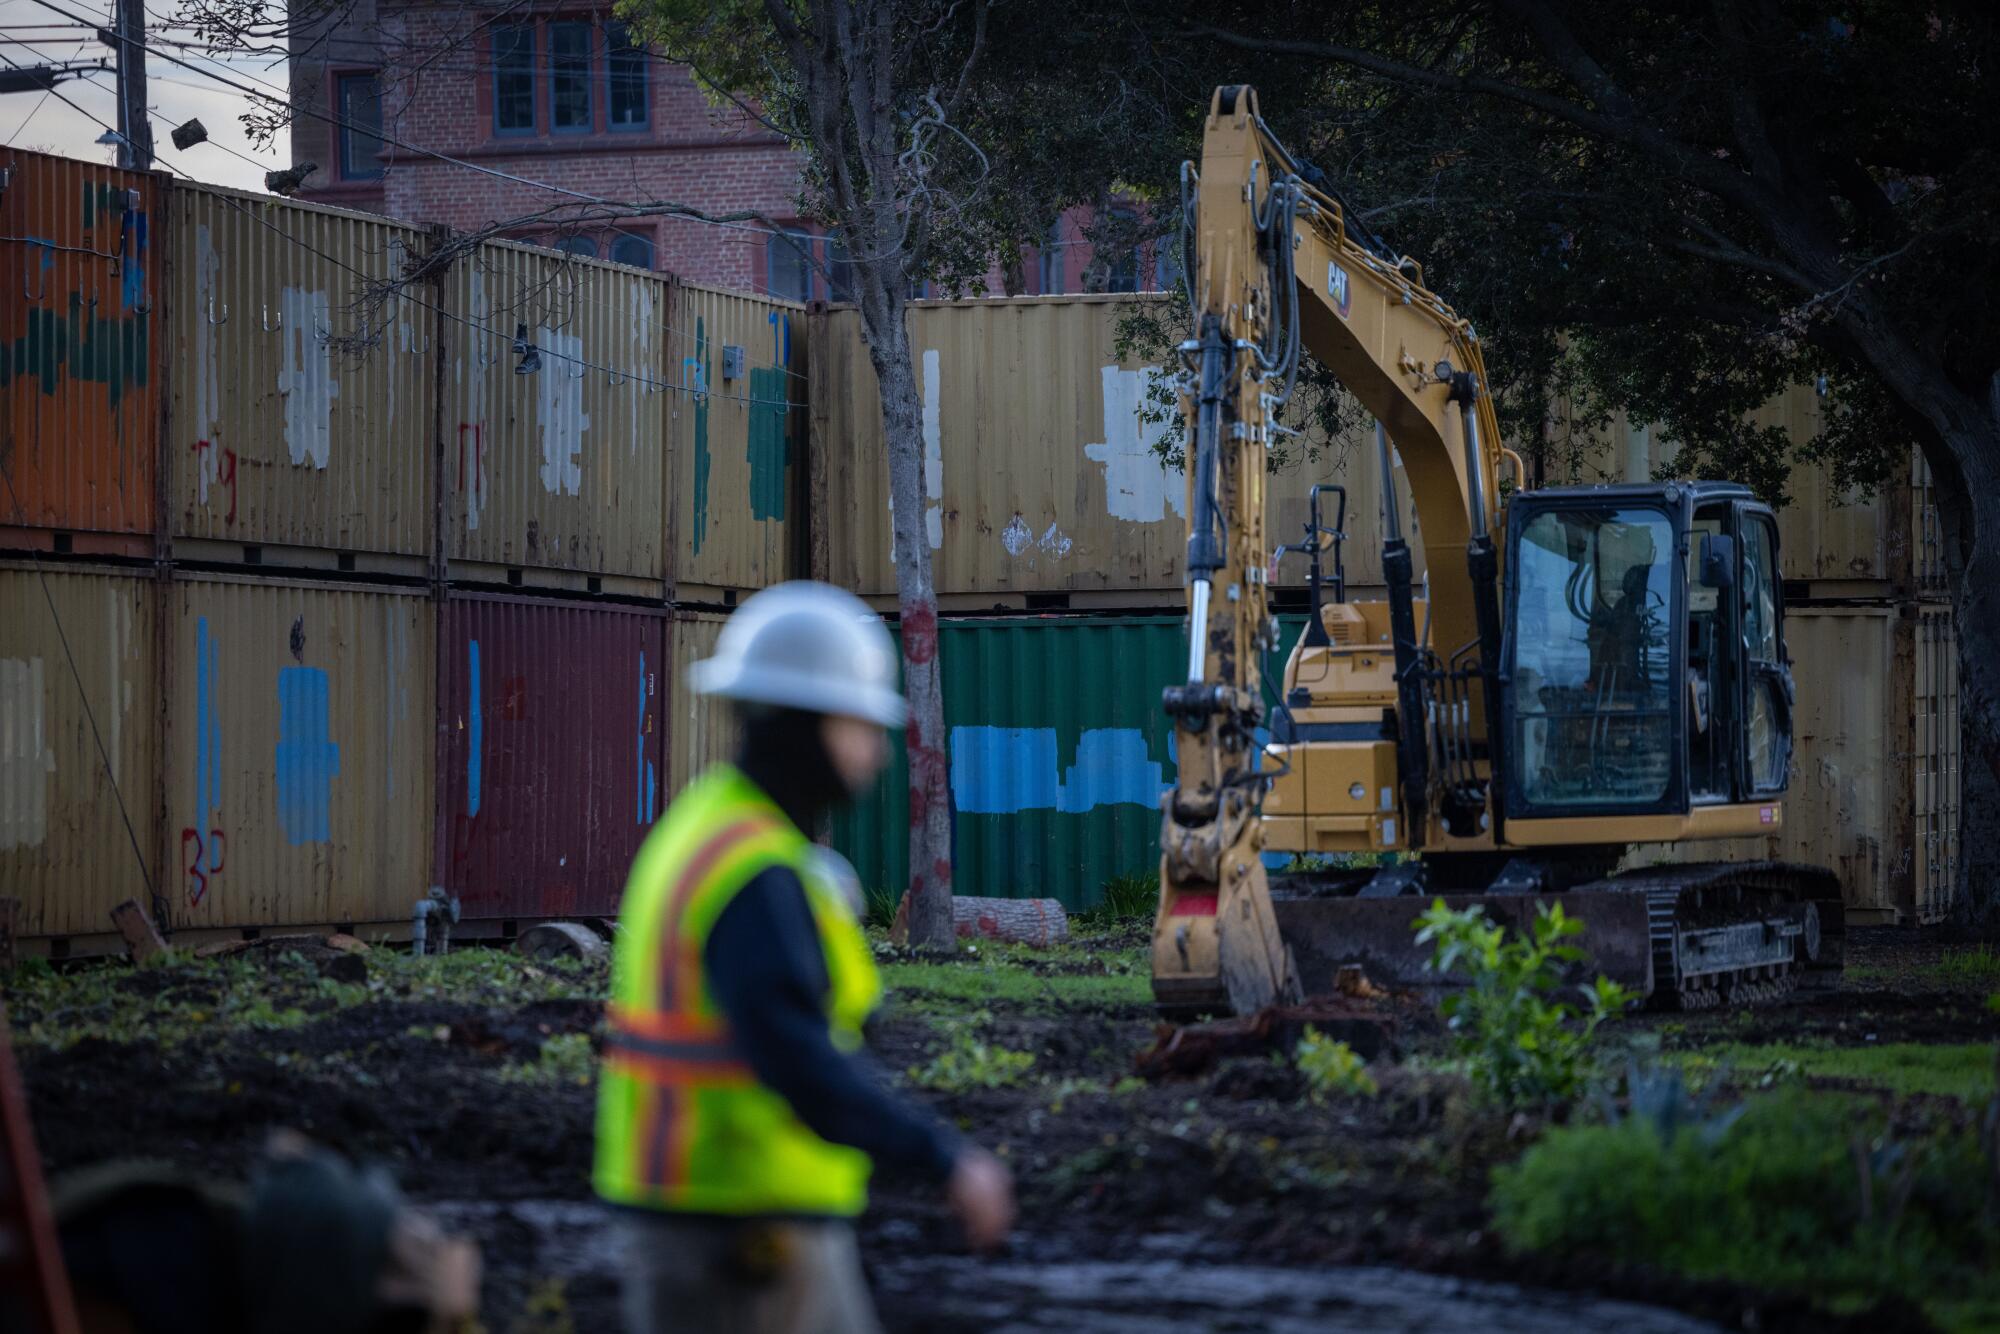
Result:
x=33 y=35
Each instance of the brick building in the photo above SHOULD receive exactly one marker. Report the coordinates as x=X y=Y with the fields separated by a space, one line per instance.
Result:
x=561 y=97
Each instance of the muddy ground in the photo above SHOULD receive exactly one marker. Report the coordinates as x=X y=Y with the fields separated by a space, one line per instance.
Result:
x=1227 y=1200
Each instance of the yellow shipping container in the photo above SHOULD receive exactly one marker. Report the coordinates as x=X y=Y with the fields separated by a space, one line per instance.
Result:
x=66 y=848
x=737 y=508
x=555 y=443
x=699 y=730
x=1874 y=793
x=300 y=731
x=302 y=413
x=1040 y=467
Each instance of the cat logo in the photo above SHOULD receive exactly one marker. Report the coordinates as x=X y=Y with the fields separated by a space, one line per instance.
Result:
x=1336 y=287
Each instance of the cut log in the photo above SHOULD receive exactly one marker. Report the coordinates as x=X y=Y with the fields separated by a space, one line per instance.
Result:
x=1022 y=921
x=142 y=938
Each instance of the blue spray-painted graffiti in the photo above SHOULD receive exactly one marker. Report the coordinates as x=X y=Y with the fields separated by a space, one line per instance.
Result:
x=1000 y=770
x=475 y=733
x=646 y=776
x=308 y=761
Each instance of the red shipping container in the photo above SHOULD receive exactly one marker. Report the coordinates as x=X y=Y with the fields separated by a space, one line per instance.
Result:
x=551 y=752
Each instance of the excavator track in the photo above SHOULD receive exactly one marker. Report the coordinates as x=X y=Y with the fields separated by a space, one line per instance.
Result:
x=1694 y=937
x=1732 y=934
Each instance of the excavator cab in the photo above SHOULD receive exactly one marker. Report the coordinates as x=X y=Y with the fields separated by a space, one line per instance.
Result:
x=1644 y=661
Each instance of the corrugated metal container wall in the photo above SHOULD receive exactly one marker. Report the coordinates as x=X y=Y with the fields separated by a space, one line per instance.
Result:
x=550 y=753
x=737 y=503
x=1876 y=691
x=1880 y=544
x=64 y=847
x=1938 y=738
x=561 y=468
x=699 y=732
x=1059 y=753
x=1040 y=468
x=80 y=352
x=303 y=414
x=299 y=752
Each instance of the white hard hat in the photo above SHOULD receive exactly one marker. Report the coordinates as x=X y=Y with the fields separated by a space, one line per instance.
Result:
x=806 y=646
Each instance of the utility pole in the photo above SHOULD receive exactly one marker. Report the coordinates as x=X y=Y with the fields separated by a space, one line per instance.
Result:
x=135 y=153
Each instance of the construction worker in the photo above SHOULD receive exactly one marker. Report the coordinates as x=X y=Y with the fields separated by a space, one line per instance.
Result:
x=736 y=1121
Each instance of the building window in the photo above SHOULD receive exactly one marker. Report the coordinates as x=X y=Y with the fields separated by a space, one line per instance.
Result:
x=360 y=101
x=634 y=250
x=580 y=246
x=1167 y=263
x=625 y=95
x=1051 y=261
x=840 y=272
x=514 y=80
x=569 y=77
x=788 y=273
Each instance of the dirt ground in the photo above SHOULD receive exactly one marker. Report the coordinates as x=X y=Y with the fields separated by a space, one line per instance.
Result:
x=1225 y=1201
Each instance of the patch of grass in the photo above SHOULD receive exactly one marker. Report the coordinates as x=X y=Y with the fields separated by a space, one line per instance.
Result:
x=998 y=983
x=1127 y=898
x=1967 y=966
x=968 y=1062
x=566 y=1058
x=1903 y=1068
x=183 y=998
x=1803 y=1193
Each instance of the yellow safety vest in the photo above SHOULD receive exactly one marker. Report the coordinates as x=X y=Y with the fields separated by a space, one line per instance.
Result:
x=682 y=1123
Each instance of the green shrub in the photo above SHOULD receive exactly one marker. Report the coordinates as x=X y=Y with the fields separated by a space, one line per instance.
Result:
x=968 y=1063
x=1127 y=898
x=1332 y=1068
x=1524 y=1047
x=1804 y=1192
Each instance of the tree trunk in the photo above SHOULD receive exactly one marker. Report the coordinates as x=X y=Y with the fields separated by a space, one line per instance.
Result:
x=1976 y=626
x=928 y=897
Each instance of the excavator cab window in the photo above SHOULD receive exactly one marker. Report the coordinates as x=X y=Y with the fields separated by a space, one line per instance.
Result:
x=1595 y=697
x=1767 y=674
x=1711 y=695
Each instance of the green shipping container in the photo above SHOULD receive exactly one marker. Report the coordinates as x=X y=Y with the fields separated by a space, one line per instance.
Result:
x=1059 y=754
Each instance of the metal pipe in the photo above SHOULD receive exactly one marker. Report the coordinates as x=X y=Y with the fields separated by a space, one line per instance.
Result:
x=1475 y=474
x=1198 y=593
x=1392 y=518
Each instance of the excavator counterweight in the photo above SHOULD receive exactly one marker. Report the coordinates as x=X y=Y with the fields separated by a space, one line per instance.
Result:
x=1590 y=667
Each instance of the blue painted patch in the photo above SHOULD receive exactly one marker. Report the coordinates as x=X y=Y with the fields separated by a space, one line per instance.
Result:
x=308 y=761
x=207 y=745
x=475 y=738
x=644 y=772
x=1001 y=770
x=132 y=262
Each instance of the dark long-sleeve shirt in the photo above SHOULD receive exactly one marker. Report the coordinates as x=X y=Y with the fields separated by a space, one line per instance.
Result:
x=766 y=970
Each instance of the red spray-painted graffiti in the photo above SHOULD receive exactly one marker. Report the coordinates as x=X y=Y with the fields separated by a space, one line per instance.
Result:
x=225 y=474
x=197 y=863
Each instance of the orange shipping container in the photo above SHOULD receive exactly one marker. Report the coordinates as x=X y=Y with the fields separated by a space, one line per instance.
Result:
x=79 y=349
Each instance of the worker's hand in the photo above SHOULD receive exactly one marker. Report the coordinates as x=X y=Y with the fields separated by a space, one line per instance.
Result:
x=981 y=1191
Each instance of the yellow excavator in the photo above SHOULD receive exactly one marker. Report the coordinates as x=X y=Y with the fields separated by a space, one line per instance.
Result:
x=1590 y=668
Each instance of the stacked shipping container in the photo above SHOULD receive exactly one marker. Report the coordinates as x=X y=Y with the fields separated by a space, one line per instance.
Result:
x=397 y=609
x=413 y=577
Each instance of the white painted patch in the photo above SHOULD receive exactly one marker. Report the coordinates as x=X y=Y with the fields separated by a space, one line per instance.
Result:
x=207 y=392
x=26 y=762
x=1137 y=486
x=642 y=365
x=1015 y=536
x=305 y=380
x=1054 y=542
x=933 y=459
x=559 y=393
